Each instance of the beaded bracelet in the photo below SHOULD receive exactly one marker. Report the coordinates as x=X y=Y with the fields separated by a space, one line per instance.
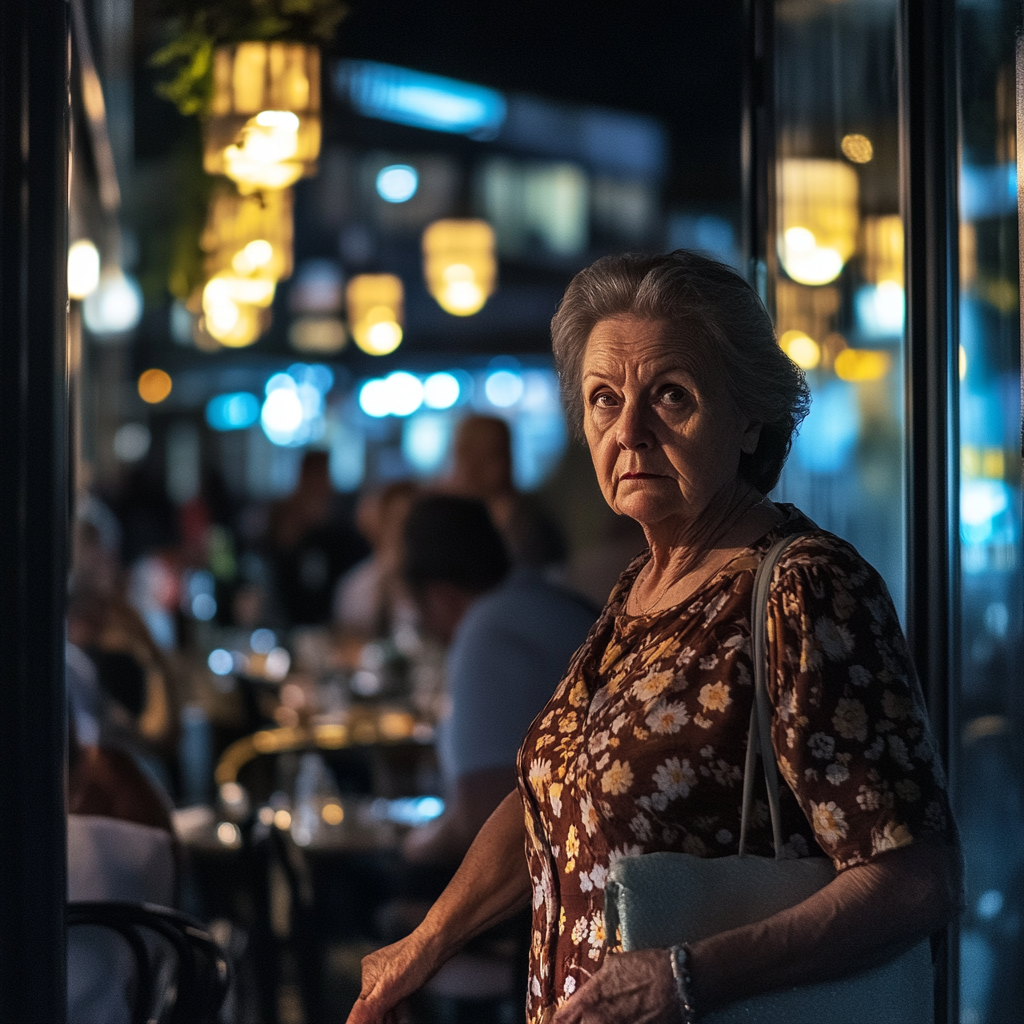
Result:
x=679 y=956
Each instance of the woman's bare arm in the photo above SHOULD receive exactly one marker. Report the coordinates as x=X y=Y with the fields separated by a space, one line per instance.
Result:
x=491 y=884
x=863 y=917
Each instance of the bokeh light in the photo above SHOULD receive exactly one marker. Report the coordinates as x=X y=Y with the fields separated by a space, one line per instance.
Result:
x=154 y=386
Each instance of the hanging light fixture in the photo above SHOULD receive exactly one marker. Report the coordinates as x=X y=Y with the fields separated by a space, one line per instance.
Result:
x=263 y=130
x=374 y=304
x=250 y=235
x=818 y=217
x=459 y=264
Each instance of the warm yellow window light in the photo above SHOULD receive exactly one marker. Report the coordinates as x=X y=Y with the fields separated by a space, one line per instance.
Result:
x=154 y=386
x=857 y=148
x=818 y=218
x=374 y=303
x=248 y=235
x=83 y=269
x=858 y=365
x=459 y=264
x=235 y=309
x=804 y=351
x=263 y=131
x=883 y=249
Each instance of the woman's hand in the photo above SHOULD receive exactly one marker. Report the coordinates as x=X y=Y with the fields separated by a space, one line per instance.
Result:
x=635 y=987
x=391 y=975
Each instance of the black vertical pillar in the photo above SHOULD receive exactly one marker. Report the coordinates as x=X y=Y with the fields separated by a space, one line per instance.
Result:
x=758 y=146
x=928 y=159
x=34 y=116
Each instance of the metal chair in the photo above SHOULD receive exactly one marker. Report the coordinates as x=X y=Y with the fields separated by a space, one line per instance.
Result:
x=181 y=974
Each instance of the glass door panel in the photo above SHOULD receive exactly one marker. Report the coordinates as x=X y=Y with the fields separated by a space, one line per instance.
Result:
x=988 y=768
x=836 y=268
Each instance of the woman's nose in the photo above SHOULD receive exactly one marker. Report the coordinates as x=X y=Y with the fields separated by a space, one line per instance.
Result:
x=633 y=431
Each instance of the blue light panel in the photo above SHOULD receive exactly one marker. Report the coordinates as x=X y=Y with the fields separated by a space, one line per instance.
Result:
x=419 y=100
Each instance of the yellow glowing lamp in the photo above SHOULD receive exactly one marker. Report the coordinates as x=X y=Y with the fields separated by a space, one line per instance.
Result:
x=248 y=235
x=374 y=303
x=818 y=218
x=263 y=131
x=235 y=310
x=803 y=350
x=883 y=249
x=154 y=386
x=858 y=364
x=459 y=264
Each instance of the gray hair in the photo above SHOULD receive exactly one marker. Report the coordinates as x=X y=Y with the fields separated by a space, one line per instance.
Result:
x=721 y=327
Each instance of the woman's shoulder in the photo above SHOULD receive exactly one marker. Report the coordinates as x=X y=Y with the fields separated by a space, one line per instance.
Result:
x=819 y=564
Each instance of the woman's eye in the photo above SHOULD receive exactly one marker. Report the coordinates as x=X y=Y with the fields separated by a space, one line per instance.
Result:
x=675 y=396
x=603 y=399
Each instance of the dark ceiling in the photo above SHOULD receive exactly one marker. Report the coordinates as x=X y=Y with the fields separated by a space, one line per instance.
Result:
x=681 y=61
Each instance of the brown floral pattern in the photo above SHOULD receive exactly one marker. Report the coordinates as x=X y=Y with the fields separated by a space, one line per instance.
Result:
x=641 y=749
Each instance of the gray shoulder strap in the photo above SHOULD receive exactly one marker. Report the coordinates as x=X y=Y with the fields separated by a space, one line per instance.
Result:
x=759 y=739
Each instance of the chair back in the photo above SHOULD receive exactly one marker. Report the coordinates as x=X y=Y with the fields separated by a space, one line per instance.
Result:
x=180 y=975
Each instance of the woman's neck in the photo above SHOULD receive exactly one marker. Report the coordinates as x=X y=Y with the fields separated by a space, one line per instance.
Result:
x=683 y=554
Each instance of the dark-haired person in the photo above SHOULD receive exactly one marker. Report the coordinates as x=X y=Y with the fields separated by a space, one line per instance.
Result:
x=671 y=371
x=510 y=634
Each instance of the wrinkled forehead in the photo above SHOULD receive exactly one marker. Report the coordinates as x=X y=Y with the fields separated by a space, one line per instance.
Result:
x=648 y=347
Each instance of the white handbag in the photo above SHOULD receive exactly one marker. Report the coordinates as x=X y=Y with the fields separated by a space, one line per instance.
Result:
x=665 y=899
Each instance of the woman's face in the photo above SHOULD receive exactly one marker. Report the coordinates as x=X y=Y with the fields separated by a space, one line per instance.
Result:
x=663 y=445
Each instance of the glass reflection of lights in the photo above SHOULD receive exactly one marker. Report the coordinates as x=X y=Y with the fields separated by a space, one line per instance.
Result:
x=806 y=261
x=859 y=365
x=828 y=436
x=115 y=306
x=263 y=641
x=235 y=411
x=83 y=269
x=397 y=183
x=982 y=502
x=503 y=388
x=422 y=101
x=131 y=442
x=804 y=351
x=857 y=148
x=375 y=304
x=220 y=662
x=154 y=386
x=441 y=391
x=880 y=309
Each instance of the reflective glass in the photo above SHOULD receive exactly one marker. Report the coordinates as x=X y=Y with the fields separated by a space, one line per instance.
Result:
x=989 y=765
x=835 y=269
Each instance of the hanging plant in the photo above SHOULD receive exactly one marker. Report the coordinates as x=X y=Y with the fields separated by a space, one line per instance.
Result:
x=196 y=27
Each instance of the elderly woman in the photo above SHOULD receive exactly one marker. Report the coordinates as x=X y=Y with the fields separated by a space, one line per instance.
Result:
x=670 y=366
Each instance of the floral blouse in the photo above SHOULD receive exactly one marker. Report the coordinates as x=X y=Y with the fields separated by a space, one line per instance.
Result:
x=641 y=748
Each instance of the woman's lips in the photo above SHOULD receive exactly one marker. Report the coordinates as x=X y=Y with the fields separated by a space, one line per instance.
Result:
x=640 y=476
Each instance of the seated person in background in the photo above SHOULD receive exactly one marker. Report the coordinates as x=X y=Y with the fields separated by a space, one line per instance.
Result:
x=309 y=548
x=511 y=634
x=120 y=847
x=367 y=597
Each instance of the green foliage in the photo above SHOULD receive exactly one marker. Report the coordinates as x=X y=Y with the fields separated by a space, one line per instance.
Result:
x=195 y=27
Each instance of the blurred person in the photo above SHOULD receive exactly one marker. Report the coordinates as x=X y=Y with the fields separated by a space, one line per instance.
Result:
x=510 y=634
x=308 y=547
x=370 y=595
x=121 y=682
x=481 y=467
x=121 y=847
